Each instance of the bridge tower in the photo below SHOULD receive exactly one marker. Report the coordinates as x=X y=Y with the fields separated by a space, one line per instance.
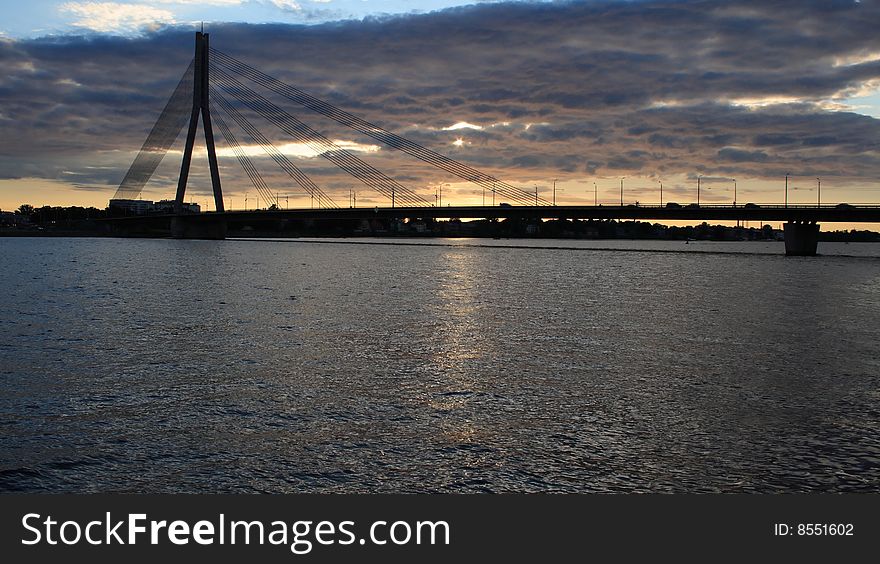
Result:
x=201 y=107
x=182 y=227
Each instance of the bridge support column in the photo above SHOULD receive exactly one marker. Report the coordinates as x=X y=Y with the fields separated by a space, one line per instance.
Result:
x=198 y=227
x=801 y=239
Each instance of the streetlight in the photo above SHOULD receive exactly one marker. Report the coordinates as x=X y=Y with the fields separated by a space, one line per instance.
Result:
x=595 y=195
x=536 y=194
x=734 y=192
x=699 y=179
x=621 y=190
x=661 y=192
x=554 y=191
x=819 y=197
x=787 y=174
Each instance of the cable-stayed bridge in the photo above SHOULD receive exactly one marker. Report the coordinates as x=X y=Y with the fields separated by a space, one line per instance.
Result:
x=221 y=89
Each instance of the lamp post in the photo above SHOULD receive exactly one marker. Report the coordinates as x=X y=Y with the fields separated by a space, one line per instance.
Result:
x=554 y=192
x=595 y=194
x=699 y=179
x=661 y=192
x=621 y=190
x=819 y=189
x=786 y=188
x=734 y=198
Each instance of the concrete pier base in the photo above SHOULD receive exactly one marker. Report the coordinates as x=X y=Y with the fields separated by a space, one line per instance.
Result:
x=198 y=227
x=801 y=239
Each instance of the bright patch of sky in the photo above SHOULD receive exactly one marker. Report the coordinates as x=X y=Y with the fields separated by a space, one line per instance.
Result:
x=462 y=125
x=37 y=18
x=868 y=105
x=299 y=150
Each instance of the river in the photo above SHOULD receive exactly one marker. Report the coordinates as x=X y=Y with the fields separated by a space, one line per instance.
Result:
x=136 y=365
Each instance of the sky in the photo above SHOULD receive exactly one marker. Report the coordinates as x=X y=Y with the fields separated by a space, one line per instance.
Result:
x=584 y=93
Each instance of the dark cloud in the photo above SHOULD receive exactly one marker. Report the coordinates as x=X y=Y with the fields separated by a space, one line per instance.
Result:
x=584 y=88
x=740 y=156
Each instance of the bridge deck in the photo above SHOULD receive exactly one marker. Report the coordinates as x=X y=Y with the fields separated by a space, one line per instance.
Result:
x=828 y=214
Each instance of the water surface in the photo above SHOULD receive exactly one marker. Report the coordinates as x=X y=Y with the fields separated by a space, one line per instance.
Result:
x=252 y=366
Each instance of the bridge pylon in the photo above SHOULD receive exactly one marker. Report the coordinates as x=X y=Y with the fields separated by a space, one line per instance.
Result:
x=200 y=106
x=801 y=238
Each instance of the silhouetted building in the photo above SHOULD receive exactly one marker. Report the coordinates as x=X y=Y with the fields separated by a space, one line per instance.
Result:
x=167 y=206
x=144 y=207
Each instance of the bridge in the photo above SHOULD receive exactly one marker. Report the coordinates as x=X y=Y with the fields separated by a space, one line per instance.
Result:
x=216 y=87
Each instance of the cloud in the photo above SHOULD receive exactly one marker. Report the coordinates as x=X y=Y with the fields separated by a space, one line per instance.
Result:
x=198 y=2
x=113 y=17
x=740 y=156
x=577 y=89
x=286 y=5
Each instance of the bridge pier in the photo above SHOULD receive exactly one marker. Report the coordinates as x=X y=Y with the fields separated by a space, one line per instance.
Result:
x=198 y=227
x=801 y=238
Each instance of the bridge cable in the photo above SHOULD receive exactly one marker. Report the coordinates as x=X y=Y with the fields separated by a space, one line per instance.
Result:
x=393 y=140
x=245 y=162
x=324 y=201
x=376 y=132
x=318 y=142
x=166 y=129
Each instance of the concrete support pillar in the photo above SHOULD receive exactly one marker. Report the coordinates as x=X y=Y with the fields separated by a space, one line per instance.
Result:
x=198 y=227
x=801 y=239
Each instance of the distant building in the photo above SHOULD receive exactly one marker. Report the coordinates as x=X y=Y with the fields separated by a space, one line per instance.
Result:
x=10 y=219
x=132 y=207
x=167 y=206
x=144 y=207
